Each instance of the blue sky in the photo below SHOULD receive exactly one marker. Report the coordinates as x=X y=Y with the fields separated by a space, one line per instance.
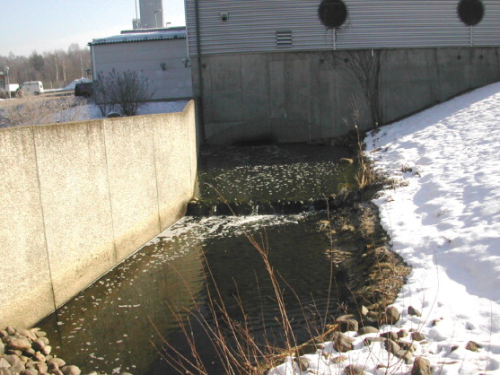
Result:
x=48 y=25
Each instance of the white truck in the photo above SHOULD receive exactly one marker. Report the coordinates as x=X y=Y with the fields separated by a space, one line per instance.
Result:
x=32 y=88
x=9 y=92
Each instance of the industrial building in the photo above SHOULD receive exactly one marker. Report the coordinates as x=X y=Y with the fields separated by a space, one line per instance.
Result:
x=159 y=54
x=296 y=70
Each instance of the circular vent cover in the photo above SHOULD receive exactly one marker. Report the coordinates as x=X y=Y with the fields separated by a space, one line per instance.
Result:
x=332 y=13
x=471 y=12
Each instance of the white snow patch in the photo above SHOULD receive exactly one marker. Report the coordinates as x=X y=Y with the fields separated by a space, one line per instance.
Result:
x=446 y=224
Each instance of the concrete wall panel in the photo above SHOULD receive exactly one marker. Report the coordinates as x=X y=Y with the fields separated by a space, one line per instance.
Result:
x=25 y=287
x=484 y=66
x=132 y=182
x=207 y=88
x=290 y=131
x=226 y=89
x=323 y=84
x=71 y=163
x=176 y=158
x=409 y=82
x=454 y=71
x=254 y=81
x=298 y=88
x=226 y=132
x=277 y=87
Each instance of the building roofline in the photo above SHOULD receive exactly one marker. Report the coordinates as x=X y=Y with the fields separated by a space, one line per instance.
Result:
x=142 y=35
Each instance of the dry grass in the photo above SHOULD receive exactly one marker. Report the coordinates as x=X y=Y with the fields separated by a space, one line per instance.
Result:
x=365 y=176
x=37 y=110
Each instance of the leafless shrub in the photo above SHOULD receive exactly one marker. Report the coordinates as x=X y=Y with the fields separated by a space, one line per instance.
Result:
x=127 y=90
x=102 y=95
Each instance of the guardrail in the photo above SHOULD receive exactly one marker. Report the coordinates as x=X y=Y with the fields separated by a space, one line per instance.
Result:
x=57 y=92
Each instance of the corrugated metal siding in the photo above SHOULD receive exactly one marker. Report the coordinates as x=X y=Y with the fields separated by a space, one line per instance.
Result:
x=252 y=25
x=487 y=33
x=392 y=23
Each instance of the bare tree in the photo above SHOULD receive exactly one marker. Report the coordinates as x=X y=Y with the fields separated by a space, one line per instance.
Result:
x=364 y=67
x=37 y=62
x=55 y=69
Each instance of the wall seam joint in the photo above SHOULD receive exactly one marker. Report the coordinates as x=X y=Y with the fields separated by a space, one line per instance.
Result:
x=47 y=252
x=109 y=190
x=155 y=129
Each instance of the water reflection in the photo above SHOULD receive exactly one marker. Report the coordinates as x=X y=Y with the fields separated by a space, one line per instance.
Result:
x=297 y=255
x=108 y=326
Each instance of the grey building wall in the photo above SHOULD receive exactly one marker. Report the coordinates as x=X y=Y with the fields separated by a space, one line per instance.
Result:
x=78 y=198
x=161 y=61
x=151 y=13
x=311 y=96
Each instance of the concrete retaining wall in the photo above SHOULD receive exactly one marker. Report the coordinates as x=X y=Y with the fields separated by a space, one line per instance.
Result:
x=78 y=198
x=306 y=96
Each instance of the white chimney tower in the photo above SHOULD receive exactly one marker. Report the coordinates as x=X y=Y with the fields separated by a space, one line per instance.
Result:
x=151 y=14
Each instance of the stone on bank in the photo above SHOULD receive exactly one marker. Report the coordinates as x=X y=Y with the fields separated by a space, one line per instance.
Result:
x=27 y=352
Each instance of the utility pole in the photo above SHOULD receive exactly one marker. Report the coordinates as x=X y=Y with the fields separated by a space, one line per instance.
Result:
x=8 y=82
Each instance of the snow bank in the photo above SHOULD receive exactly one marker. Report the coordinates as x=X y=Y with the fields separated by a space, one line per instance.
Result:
x=443 y=217
x=91 y=111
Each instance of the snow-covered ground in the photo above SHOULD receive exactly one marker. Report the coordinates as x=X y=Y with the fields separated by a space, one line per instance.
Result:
x=62 y=110
x=91 y=111
x=443 y=217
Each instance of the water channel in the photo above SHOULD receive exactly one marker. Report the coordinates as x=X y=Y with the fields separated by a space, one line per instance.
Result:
x=119 y=323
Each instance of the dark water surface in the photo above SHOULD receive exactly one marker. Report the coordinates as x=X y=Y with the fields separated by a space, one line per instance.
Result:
x=263 y=173
x=115 y=324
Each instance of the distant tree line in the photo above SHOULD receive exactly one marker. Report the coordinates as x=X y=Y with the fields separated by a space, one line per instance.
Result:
x=55 y=69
